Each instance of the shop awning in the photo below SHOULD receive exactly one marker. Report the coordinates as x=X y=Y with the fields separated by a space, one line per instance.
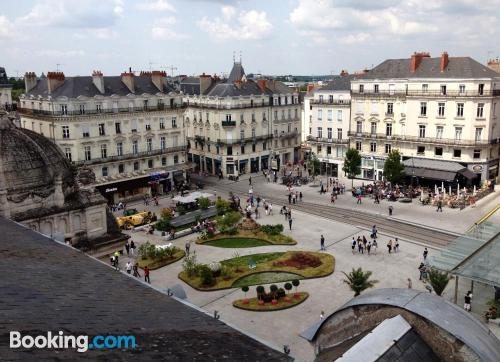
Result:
x=436 y=169
x=430 y=174
x=467 y=174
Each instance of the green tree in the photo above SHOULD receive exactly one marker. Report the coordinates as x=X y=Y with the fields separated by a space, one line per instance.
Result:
x=352 y=164
x=222 y=206
x=439 y=280
x=313 y=165
x=359 y=280
x=204 y=203
x=393 y=167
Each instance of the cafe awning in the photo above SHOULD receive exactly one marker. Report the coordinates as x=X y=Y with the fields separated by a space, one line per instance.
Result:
x=436 y=169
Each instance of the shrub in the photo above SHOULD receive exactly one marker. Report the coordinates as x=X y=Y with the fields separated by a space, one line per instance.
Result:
x=280 y=293
x=226 y=272
x=203 y=203
x=245 y=289
x=228 y=220
x=215 y=267
x=260 y=291
x=438 y=280
x=300 y=261
x=222 y=206
x=206 y=275
x=147 y=250
x=167 y=213
x=288 y=286
x=163 y=224
x=273 y=288
x=190 y=265
x=233 y=230
x=295 y=283
x=272 y=229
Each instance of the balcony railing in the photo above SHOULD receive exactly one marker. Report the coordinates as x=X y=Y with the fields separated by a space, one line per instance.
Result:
x=129 y=156
x=93 y=112
x=415 y=139
x=341 y=141
x=420 y=93
x=286 y=135
x=327 y=102
x=233 y=141
x=228 y=123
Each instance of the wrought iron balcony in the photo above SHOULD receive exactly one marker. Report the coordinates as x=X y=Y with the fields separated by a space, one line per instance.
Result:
x=228 y=123
x=341 y=141
x=424 y=94
x=327 y=102
x=416 y=139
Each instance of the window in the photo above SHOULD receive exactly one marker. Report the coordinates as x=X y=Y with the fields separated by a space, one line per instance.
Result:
x=208 y=119
x=85 y=130
x=296 y=113
x=176 y=159
x=375 y=88
x=242 y=119
x=477 y=154
x=329 y=131
x=229 y=150
x=461 y=88
x=359 y=127
x=480 y=109
x=423 y=109
x=339 y=133
x=458 y=133
x=242 y=134
x=460 y=109
x=163 y=161
x=102 y=130
x=121 y=168
x=289 y=114
x=387 y=148
x=320 y=98
x=136 y=166
x=439 y=132
x=163 y=143
x=373 y=128
x=478 y=134
x=425 y=88
x=253 y=147
x=421 y=131
x=82 y=108
x=480 y=89
x=149 y=144
x=374 y=107
x=67 y=153
x=330 y=115
x=282 y=114
x=162 y=123
x=264 y=116
x=119 y=149
x=361 y=88
x=320 y=132
x=118 y=128
x=441 y=109
x=104 y=151
x=242 y=149
x=438 y=151
x=319 y=149
x=420 y=150
x=373 y=146
x=388 y=129
x=330 y=98
x=320 y=114
x=253 y=132
x=133 y=125
x=457 y=153
x=358 y=145
x=328 y=150
x=65 y=131
x=275 y=115
x=135 y=148
x=87 y=151
x=443 y=89
x=148 y=126
x=104 y=171
x=339 y=115
x=150 y=163
x=390 y=109
x=174 y=122
x=264 y=146
x=64 y=109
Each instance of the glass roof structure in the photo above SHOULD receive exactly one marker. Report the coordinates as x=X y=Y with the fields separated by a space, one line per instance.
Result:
x=474 y=255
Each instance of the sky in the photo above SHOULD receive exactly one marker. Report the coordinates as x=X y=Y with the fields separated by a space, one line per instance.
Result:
x=275 y=37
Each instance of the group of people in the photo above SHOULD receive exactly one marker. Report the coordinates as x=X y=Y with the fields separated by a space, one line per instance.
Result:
x=363 y=244
x=129 y=268
x=293 y=196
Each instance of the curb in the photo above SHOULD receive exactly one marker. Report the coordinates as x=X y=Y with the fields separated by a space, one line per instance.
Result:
x=402 y=221
x=485 y=217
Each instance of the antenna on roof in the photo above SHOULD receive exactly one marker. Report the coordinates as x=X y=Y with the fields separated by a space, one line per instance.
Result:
x=150 y=64
x=240 y=57
x=57 y=67
x=234 y=56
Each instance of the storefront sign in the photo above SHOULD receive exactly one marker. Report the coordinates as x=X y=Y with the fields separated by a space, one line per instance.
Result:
x=477 y=168
x=113 y=189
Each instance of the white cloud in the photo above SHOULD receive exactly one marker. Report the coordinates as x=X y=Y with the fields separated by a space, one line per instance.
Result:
x=162 y=29
x=6 y=28
x=246 y=25
x=158 y=5
x=355 y=38
x=53 y=53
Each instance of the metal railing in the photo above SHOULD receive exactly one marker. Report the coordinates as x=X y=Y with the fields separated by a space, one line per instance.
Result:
x=416 y=139
x=327 y=102
x=286 y=135
x=328 y=140
x=228 y=123
x=129 y=156
x=93 y=112
x=421 y=93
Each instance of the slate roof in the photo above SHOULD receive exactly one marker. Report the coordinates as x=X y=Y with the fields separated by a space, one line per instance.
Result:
x=47 y=286
x=237 y=73
x=338 y=83
x=458 y=67
x=83 y=86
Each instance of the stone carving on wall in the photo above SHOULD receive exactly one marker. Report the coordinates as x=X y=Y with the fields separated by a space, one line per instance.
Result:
x=85 y=176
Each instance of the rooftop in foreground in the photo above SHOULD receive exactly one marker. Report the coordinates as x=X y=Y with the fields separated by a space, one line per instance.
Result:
x=51 y=287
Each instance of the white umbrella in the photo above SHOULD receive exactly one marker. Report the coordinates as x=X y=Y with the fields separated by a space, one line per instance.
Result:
x=449 y=190
x=474 y=192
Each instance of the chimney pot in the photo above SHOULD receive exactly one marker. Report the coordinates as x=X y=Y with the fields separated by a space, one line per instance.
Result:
x=98 y=80
x=158 y=77
x=415 y=60
x=128 y=80
x=444 y=61
x=54 y=80
x=30 y=81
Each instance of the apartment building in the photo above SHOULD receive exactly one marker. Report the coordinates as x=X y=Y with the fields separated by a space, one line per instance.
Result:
x=443 y=109
x=327 y=112
x=5 y=90
x=236 y=125
x=127 y=129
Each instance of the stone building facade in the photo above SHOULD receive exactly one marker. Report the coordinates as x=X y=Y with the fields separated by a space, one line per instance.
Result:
x=5 y=90
x=127 y=130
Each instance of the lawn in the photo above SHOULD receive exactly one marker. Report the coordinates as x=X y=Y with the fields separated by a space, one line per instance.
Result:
x=237 y=243
x=290 y=301
x=279 y=239
x=156 y=264
x=238 y=268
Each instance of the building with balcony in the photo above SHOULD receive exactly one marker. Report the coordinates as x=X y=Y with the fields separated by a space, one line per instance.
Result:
x=127 y=130
x=236 y=126
x=444 y=109
x=5 y=90
x=327 y=112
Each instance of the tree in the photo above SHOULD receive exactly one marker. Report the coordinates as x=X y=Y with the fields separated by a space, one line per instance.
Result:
x=359 y=280
x=352 y=164
x=439 y=280
x=313 y=165
x=295 y=283
x=393 y=167
x=204 y=203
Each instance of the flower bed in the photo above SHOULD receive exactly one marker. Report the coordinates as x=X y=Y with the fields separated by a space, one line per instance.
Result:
x=159 y=263
x=249 y=234
x=155 y=256
x=256 y=305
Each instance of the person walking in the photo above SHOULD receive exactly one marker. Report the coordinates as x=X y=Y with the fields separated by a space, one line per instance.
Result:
x=426 y=252
x=389 y=246
x=136 y=270
x=322 y=242
x=421 y=269
x=396 y=245
x=409 y=283
x=187 y=247
x=368 y=247
x=467 y=301
x=128 y=267
x=322 y=316
x=132 y=247
x=289 y=198
x=360 y=247
x=127 y=247
x=358 y=199
x=353 y=245
x=374 y=246
x=250 y=180
x=270 y=208
x=390 y=210
x=439 y=206
x=290 y=222
x=374 y=232
x=300 y=196
x=146 y=275
x=364 y=241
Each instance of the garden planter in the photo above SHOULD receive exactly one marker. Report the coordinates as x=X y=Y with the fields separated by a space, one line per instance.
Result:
x=261 y=302
x=245 y=301
x=274 y=301
x=296 y=295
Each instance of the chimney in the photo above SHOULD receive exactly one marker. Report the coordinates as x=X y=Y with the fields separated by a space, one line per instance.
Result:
x=205 y=83
x=494 y=64
x=444 y=61
x=54 y=80
x=262 y=83
x=158 y=77
x=128 y=80
x=98 y=80
x=415 y=60
x=29 y=81
x=343 y=73
x=310 y=87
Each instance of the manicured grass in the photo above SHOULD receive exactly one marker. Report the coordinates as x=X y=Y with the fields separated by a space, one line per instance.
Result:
x=238 y=268
x=265 y=278
x=256 y=234
x=290 y=301
x=156 y=264
x=237 y=243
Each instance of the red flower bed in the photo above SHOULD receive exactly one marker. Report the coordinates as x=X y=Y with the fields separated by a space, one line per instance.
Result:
x=300 y=261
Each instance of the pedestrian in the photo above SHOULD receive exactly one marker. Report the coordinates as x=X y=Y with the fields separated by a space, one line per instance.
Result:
x=300 y=196
x=322 y=316
x=396 y=245
x=256 y=212
x=146 y=274
x=369 y=247
x=266 y=208
x=332 y=199
x=294 y=197
x=270 y=208
x=377 y=201
x=132 y=247
x=467 y=301
x=364 y=241
x=353 y=244
x=289 y=198
x=187 y=247
x=360 y=248
x=439 y=206
x=290 y=222
x=374 y=232
x=250 y=181
x=426 y=252
x=322 y=242
x=421 y=269
x=136 y=270
x=358 y=197
x=409 y=283
x=374 y=246
x=128 y=267
x=389 y=246
x=390 y=210
x=127 y=247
